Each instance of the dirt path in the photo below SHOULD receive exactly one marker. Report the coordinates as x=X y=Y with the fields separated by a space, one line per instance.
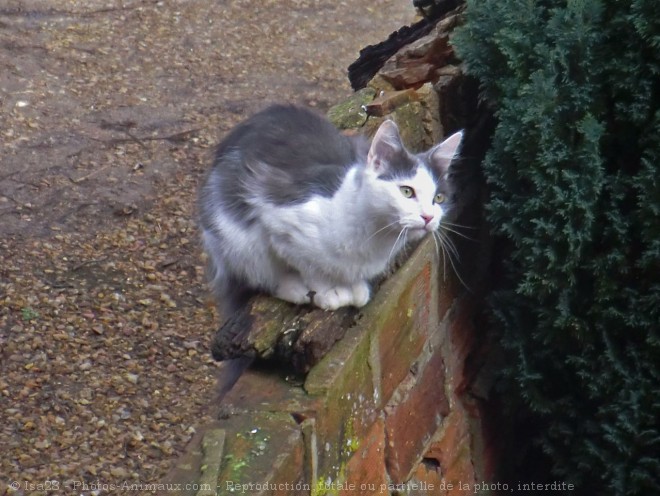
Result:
x=104 y=101
x=110 y=110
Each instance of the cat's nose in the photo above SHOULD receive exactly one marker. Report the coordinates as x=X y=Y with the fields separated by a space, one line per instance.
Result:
x=427 y=218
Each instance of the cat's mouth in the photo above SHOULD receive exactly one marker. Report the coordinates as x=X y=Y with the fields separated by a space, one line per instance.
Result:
x=423 y=229
x=417 y=232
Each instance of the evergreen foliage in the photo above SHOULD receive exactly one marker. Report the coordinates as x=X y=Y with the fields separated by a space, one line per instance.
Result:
x=574 y=173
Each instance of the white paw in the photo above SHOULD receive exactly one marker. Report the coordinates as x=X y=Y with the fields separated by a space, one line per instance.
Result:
x=342 y=296
x=291 y=288
x=361 y=294
x=334 y=298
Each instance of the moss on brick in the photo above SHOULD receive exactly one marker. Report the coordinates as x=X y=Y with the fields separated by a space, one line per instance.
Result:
x=350 y=114
x=264 y=447
x=400 y=320
x=350 y=403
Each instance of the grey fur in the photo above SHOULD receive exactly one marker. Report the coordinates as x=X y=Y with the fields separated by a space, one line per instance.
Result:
x=284 y=152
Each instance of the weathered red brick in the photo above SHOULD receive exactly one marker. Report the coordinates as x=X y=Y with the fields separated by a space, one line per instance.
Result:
x=452 y=449
x=365 y=471
x=388 y=101
x=360 y=373
x=447 y=291
x=452 y=433
x=427 y=480
x=460 y=475
x=418 y=62
x=404 y=329
x=412 y=421
x=462 y=343
x=259 y=390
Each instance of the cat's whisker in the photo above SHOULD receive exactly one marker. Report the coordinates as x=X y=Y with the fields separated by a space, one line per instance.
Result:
x=458 y=274
x=444 y=244
x=435 y=242
x=405 y=240
x=440 y=252
x=444 y=226
x=450 y=248
x=448 y=243
x=462 y=226
x=381 y=230
x=394 y=250
x=404 y=237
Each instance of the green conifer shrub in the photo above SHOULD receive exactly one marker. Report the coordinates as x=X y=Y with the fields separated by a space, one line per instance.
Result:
x=574 y=178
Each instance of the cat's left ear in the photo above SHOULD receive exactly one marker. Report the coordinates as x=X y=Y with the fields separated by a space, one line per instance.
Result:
x=441 y=155
x=385 y=146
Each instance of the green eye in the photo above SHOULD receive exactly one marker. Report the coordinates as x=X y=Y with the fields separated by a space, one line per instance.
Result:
x=439 y=198
x=407 y=191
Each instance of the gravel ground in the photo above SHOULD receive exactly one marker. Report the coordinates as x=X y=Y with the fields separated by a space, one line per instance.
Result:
x=110 y=110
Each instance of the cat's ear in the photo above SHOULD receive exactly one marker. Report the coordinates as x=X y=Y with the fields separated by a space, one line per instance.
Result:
x=441 y=155
x=384 y=147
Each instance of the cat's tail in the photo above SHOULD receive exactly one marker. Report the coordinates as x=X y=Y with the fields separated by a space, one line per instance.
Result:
x=230 y=293
x=233 y=298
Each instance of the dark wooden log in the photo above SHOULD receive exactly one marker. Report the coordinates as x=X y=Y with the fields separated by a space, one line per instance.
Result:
x=271 y=330
x=434 y=9
x=373 y=57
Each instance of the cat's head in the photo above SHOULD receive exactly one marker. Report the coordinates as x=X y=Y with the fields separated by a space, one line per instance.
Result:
x=413 y=188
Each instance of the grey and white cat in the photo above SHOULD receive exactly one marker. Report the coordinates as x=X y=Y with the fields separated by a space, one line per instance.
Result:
x=300 y=211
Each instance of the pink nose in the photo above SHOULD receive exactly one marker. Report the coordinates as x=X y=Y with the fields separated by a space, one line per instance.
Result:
x=427 y=218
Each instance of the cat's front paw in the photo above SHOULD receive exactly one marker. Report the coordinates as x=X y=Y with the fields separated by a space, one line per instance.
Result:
x=333 y=298
x=340 y=296
x=293 y=289
x=361 y=294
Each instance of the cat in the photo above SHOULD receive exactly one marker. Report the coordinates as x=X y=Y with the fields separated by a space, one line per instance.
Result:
x=295 y=209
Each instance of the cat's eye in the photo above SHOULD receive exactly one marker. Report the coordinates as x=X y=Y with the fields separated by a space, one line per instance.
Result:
x=439 y=198
x=407 y=191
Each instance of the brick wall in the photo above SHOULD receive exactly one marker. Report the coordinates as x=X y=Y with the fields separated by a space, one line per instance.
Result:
x=397 y=406
x=389 y=410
